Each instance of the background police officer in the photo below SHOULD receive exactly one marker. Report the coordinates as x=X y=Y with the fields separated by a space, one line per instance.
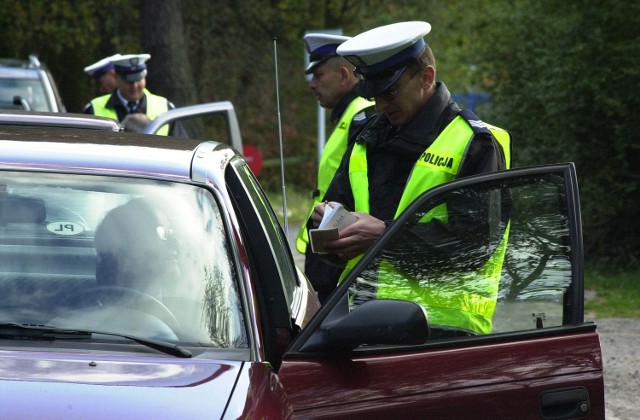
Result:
x=103 y=74
x=131 y=95
x=334 y=85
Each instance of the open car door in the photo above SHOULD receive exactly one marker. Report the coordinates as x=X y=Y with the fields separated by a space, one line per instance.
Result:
x=211 y=121
x=469 y=306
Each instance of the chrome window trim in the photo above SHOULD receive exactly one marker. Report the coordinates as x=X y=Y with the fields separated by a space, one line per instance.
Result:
x=38 y=119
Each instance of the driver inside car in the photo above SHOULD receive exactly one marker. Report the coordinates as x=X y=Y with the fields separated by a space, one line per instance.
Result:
x=136 y=249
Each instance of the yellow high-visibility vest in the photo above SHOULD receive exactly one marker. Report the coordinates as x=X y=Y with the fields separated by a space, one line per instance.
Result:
x=156 y=105
x=471 y=305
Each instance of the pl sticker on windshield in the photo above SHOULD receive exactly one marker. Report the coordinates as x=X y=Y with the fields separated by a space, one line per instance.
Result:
x=65 y=228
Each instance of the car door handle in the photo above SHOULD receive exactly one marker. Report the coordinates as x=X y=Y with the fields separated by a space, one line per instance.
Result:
x=564 y=403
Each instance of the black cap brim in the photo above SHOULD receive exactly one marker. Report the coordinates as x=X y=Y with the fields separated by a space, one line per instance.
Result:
x=371 y=87
x=312 y=66
x=316 y=63
x=134 y=77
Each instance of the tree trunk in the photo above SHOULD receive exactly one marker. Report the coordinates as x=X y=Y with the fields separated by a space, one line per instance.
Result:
x=169 y=72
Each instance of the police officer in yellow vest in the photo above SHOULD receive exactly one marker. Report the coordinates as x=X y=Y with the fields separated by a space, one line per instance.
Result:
x=131 y=95
x=103 y=74
x=419 y=139
x=334 y=83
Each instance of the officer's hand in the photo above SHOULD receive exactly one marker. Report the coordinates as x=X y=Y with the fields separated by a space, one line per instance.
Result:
x=357 y=238
x=318 y=212
x=316 y=216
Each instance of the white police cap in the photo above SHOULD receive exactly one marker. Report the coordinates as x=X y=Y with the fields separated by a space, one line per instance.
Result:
x=321 y=47
x=381 y=54
x=131 y=66
x=98 y=68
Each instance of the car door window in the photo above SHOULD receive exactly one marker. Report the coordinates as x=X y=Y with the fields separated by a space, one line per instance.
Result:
x=481 y=259
x=31 y=90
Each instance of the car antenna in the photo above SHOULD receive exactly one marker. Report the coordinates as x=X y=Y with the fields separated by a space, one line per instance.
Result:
x=284 y=191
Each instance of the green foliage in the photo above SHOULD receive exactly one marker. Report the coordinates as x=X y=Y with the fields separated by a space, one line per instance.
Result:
x=68 y=35
x=563 y=77
x=30 y=26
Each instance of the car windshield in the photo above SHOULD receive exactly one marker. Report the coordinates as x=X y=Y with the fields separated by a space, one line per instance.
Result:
x=134 y=257
x=30 y=90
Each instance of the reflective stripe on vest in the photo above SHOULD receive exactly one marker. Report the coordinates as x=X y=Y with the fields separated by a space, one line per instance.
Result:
x=468 y=300
x=156 y=105
x=331 y=157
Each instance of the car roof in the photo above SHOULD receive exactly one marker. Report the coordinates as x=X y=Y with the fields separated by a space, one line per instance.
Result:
x=17 y=62
x=102 y=152
x=18 y=73
x=17 y=68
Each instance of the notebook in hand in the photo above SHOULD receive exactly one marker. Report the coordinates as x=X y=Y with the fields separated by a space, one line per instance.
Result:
x=335 y=217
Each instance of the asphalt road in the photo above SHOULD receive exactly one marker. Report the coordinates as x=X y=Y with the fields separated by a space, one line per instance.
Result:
x=620 y=342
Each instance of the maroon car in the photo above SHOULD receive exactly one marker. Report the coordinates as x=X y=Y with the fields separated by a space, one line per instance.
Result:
x=149 y=277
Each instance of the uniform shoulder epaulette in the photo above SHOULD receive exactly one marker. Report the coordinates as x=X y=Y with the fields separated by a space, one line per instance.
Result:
x=477 y=125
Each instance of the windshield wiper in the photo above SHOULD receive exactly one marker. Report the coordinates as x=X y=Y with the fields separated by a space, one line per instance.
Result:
x=16 y=331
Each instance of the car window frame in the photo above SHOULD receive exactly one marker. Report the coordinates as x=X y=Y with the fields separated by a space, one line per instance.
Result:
x=276 y=303
x=277 y=239
x=52 y=88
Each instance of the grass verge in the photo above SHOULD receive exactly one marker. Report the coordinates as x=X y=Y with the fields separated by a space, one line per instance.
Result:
x=298 y=204
x=612 y=294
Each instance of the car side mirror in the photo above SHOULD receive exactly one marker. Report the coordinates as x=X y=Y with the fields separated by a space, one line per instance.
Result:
x=376 y=322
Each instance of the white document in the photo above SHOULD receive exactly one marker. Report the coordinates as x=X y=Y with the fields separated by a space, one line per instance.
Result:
x=335 y=217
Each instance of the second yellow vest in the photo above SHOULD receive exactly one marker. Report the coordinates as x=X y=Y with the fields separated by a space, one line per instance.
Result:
x=156 y=105
x=331 y=157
